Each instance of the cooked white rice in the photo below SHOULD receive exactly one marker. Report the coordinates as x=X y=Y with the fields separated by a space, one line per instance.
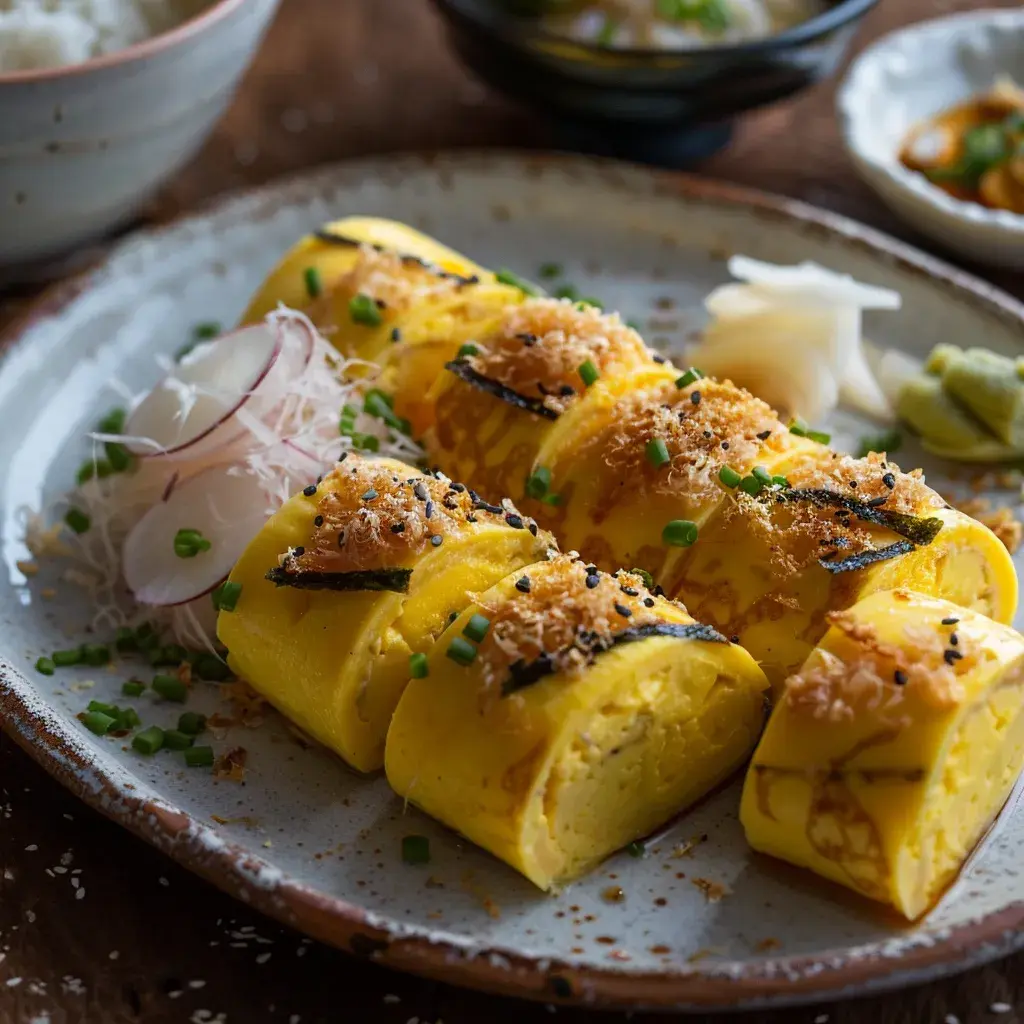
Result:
x=54 y=33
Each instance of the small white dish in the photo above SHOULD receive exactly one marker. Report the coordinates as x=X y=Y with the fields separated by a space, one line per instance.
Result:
x=909 y=76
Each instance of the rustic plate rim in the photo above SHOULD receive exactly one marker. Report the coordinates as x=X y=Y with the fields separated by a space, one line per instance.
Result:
x=776 y=981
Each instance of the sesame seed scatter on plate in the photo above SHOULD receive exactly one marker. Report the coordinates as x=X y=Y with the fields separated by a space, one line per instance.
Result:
x=430 y=901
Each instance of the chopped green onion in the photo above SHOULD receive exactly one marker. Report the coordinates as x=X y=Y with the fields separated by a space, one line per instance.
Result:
x=113 y=422
x=128 y=718
x=364 y=310
x=590 y=301
x=657 y=453
x=636 y=849
x=550 y=270
x=751 y=485
x=728 y=476
x=207 y=331
x=780 y=481
x=889 y=441
x=645 y=576
x=418 y=666
x=762 y=474
x=506 y=276
x=689 y=377
x=188 y=543
x=192 y=723
x=538 y=483
x=380 y=404
x=133 y=687
x=679 y=533
x=588 y=372
x=118 y=456
x=108 y=709
x=467 y=350
x=567 y=291
x=209 y=666
x=314 y=285
x=95 y=654
x=476 y=628
x=77 y=520
x=819 y=435
x=175 y=740
x=170 y=688
x=98 y=722
x=126 y=641
x=461 y=651
x=199 y=757
x=554 y=500
x=45 y=666
x=415 y=849
x=226 y=596
x=62 y=659
x=149 y=741
x=365 y=442
x=86 y=471
x=800 y=428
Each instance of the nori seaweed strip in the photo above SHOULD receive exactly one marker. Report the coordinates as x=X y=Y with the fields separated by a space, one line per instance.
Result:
x=854 y=562
x=394 y=580
x=332 y=239
x=462 y=370
x=523 y=674
x=915 y=528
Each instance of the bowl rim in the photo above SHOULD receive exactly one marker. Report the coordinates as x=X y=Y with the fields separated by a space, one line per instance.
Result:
x=487 y=13
x=851 y=109
x=209 y=15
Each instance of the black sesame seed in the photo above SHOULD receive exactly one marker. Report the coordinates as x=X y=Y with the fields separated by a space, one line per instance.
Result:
x=428 y=509
x=369 y=495
x=951 y=621
x=470 y=518
x=648 y=602
x=593 y=581
x=952 y=656
x=420 y=491
x=381 y=304
x=309 y=491
x=591 y=569
x=623 y=610
x=853 y=484
x=764 y=435
x=954 y=640
x=889 y=479
x=523 y=584
x=480 y=505
x=566 y=390
x=659 y=359
x=707 y=434
x=875 y=502
x=398 y=527
x=342 y=457
x=516 y=522
x=630 y=591
x=532 y=527
x=735 y=638
x=318 y=521
x=725 y=446
x=900 y=678
x=396 y=334
x=695 y=397
x=436 y=540
x=299 y=551
x=457 y=487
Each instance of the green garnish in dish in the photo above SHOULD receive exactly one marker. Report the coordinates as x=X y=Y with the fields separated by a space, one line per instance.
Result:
x=415 y=849
x=538 y=483
x=170 y=688
x=149 y=741
x=506 y=276
x=461 y=651
x=192 y=723
x=550 y=270
x=364 y=310
x=798 y=427
x=691 y=375
x=985 y=146
x=188 y=543
x=657 y=453
x=476 y=628
x=607 y=34
x=729 y=477
x=711 y=15
x=225 y=597
x=418 y=668
x=199 y=757
x=314 y=286
x=680 y=533
x=77 y=520
x=588 y=372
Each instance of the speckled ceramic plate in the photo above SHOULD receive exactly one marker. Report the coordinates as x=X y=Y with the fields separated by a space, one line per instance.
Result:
x=307 y=841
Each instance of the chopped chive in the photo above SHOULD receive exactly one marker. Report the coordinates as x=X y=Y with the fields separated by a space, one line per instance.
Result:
x=588 y=372
x=207 y=331
x=550 y=270
x=175 y=740
x=225 y=597
x=751 y=485
x=192 y=723
x=506 y=276
x=689 y=377
x=657 y=453
x=819 y=435
x=636 y=849
x=108 y=709
x=149 y=741
x=170 y=654
x=118 y=456
x=95 y=654
x=98 y=722
x=762 y=474
x=780 y=481
x=113 y=422
x=365 y=442
x=86 y=471
x=467 y=350
x=567 y=291
x=554 y=500
x=209 y=666
x=188 y=543
x=170 y=688
x=538 y=483
x=364 y=310
x=476 y=628
x=461 y=651
x=62 y=659
x=645 y=576
x=45 y=666
x=77 y=520
x=418 y=666
x=679 y=533
x=128 y=718
x=133 y=687
x=126 y=641
x=800 y=428
x=729 y=476
x=199 y=757
x=314 y=285
x=415 y=849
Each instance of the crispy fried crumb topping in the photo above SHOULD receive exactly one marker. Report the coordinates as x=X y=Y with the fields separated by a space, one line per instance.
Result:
x=380 y=514
x=569 y=612
x=542 y=343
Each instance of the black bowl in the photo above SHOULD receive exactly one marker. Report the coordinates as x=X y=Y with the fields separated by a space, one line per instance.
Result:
x=658 y=106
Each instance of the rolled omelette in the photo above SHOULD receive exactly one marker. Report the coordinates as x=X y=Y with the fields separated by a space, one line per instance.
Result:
x=892 y=750
x=353 y=576
x=496 y=404
x=768 y=568
x=568 y=712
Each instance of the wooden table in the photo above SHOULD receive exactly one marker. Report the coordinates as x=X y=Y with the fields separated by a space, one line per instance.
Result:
x=97 y=927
